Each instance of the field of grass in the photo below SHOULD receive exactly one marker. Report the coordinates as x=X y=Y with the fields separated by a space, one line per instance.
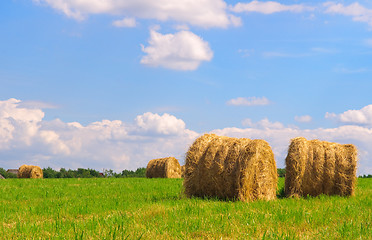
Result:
x=141 y=208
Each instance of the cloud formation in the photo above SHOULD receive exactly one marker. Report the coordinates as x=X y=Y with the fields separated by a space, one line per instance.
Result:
x=279 y=139
x=248 y=101
x=359 y=117
x=25 y=138
x=204 y=13
x=358 y=12
x=268 y=7
x=180 y=51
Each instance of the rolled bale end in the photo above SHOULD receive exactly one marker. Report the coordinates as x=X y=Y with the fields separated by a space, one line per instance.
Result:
x=163 y=168
x=230 y=168
x=29 y=171
x=316 y=167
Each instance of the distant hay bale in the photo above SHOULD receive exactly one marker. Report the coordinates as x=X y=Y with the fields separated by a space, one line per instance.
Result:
x=29 y=171
x=316 y=167
x=163 y=168
x=1 y=177
x=230 y=168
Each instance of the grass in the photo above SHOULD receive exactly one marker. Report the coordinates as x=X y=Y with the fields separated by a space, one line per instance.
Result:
x=156 y=209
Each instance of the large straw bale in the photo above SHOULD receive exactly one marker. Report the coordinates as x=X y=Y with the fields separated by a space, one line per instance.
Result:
x=230 y=168
x=29 y=171
x=316 y=167
x=183 y=171
x=163 y=168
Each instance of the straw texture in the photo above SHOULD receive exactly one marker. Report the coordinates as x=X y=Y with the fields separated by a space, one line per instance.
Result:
x=230 y=168
x=29 y=171
x=316 y=167
x=163 y=168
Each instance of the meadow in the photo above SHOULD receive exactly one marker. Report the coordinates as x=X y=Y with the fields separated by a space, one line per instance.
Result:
x=139 y=208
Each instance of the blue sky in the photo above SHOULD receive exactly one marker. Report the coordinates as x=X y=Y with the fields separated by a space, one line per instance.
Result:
x=113 y=84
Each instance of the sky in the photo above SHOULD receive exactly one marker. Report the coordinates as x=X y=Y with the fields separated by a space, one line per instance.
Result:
x=112 y=84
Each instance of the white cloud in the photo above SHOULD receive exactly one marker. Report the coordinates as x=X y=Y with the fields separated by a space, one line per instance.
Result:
x=25 y=138
x=249 y=101
x=279 y=140
x=125 y=22
x=150 y=123
x=204 y=13
x=262 y=124
x=269 y=7
x=361 y=117
x=358 y=12
x=180 y=51
x=305 y=118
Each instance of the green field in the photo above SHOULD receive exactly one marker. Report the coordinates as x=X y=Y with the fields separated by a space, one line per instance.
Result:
x=138 y=208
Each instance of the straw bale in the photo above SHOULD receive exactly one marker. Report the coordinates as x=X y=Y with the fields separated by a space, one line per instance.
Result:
x=230 y=168
x=182 y=171
x=29 y=171
x=1 y=177
x=163 y=168
x=316 y=167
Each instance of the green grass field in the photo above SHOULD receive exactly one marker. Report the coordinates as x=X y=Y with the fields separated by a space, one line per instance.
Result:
x=155 y=209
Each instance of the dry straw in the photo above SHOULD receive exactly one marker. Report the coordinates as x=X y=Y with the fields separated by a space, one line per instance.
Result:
x=316 y=167
x=29 y=171
x=230 y=168
x=183 y=171
x=1 y=177
x=163 y=168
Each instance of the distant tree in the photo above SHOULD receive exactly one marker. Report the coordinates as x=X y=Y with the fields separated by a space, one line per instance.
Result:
x=6 y=174
x=140 y=172
x=109 y=173
x=49 y=172
x=62 y=173
x=281 y=172
x=366 y=176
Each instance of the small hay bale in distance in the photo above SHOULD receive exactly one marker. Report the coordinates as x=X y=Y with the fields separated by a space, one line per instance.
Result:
x=1 y=177
x=163 y=168
x=230 y=168
x=29 y=171
x=316 y=167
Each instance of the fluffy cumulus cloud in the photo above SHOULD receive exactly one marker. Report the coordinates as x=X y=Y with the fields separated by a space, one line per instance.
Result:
x=180 y=51
x=355 y=10
x=204 y=13
x=279 y=139
x=268 y=7
x=25 y=138
x=361 y=117
x=262 y=124
x=248 y=101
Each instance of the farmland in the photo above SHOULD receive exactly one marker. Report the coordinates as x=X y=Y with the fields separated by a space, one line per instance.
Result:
x=138 y=208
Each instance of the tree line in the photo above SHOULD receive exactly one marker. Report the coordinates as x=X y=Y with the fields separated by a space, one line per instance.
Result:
x=91 y=173
x=82 y=173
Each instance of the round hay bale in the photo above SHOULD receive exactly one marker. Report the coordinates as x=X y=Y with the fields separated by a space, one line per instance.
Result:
x=316 y=167
x=163 y=168
x=182 y=171
x=29 y=171
x=1 y=177
x=230 y=168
